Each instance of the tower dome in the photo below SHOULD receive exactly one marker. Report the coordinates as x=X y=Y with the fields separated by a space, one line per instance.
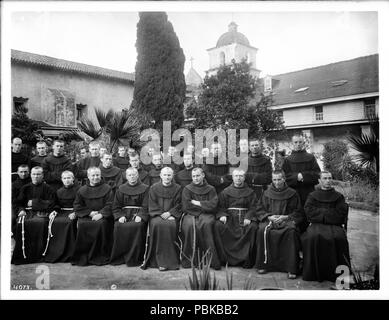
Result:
x=232 y=36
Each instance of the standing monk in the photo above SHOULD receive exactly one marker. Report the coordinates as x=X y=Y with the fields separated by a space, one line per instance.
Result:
x=156 y=167
x=93 y=160
x=164 y=212
x=18 y=158
x=121 y=161
x=301 y=171
x=236 y=226
x=325 y=245
x=142 y=172
x=199 y=204
x=63 y=224
x=55 y=164
x=130 y=211
x=184 y=177
x=34 y=203
x=259 y=169
x=93 y=207
x=41 y=149
x=217 y=174
x=278 y=237
x=111 y=175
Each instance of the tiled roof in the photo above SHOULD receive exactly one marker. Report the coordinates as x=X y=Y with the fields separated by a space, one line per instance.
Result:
x=344 y=78
x=70 y=66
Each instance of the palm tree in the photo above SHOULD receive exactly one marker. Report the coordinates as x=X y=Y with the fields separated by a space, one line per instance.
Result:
x=111 y=128
x=367 y=144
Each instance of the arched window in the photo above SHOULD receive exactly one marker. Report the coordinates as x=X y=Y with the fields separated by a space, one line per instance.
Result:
x=222 y=58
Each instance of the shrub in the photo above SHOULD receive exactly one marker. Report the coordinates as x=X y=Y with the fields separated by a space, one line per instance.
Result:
x=360 y=191
x=333 y=154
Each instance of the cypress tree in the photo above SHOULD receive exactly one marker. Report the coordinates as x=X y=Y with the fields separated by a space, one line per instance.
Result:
x=160 y=87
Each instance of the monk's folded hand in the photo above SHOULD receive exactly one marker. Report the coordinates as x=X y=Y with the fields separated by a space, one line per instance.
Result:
x=138 y=219
x=72 y=216
x=97 y=217
x=22 y=213
x=223 y=219
x=196 y=203
x=122 y=219
x=273 y=218
x=93 y=213
x=171 y=218
x=165 y=215
x=246 y=222
x=29 y=203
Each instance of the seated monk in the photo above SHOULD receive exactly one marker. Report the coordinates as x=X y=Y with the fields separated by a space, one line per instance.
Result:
x=34 y=204
x=129 y=209
x=63 y=223
x=236 y=225
x=199 y=203
x=95 y=224
x=325 y=245
x=165 y=211
x=278 y=238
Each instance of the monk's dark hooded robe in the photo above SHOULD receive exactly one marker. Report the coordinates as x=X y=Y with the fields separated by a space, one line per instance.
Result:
x=121 y=162
x=17 y=159
x=35 y=222
x=215 y=172
x=61 y=245
x=112 y=176
x=325 y=244
x=130 y=237
x=278 y=245
x=15 y=189
x=94 y=238
x=53 y=167
x=258 y=174
x=198 y=222
x=142 y=173
x=83 y=165
x=235 y=242
x=154 y=175
x=37 y=161
x=184 y=177
x=304 y=162
x=162 y=249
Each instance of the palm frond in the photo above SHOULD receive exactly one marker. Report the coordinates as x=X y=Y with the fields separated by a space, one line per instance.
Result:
x=104 y=118
x=368 y=147
x=123 y=126
x=89 y=127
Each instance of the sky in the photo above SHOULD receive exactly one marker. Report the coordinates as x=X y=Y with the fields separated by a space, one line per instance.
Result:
x=286 y=41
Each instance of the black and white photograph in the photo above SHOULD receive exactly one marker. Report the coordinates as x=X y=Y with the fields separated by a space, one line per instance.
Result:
x=172 y=147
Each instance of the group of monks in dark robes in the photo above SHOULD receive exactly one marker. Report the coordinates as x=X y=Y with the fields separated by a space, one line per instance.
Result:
x=166 y=215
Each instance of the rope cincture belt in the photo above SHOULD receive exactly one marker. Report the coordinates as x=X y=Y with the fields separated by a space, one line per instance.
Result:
x=49 y=234
x=23 y=247
x=239 y=213
x=265 y=242
x=67 y=209
x=21 y=220
x=132 y=207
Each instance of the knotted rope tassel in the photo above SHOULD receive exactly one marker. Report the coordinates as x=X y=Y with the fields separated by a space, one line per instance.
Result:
x=143 y=265
x=265 y=240
x=23 y=239
x=179 y=233
x=49 y=234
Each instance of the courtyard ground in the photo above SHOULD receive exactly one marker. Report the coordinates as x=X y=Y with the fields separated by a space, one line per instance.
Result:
x=362 y=235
